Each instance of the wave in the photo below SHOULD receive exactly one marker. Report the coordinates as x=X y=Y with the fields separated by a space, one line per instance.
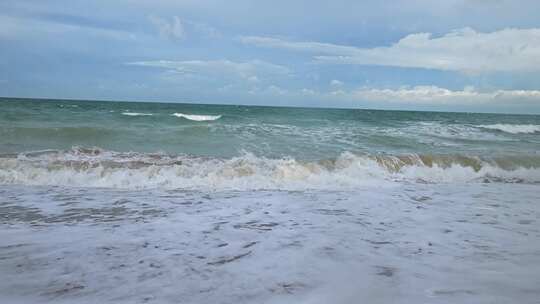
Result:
x=197 y=117
x=514 y=129
x=99 y=168
x=136 y=114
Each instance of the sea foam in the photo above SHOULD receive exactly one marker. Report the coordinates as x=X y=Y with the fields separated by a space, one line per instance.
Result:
x=98 y=168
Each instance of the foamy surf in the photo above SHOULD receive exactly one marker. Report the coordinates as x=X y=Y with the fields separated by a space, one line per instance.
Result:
x=99 y=168
x=197 y=117
x=513 y=129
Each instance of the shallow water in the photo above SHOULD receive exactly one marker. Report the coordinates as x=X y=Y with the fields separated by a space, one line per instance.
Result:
x=410 y=243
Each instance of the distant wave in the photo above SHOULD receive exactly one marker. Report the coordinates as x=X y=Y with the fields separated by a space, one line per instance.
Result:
x=136 y=114
x=99 y=168
x=514 y=129
x=442 y=130
x=197 y=117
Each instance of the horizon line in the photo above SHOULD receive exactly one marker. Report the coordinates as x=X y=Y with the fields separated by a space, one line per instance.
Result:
x=258 y=105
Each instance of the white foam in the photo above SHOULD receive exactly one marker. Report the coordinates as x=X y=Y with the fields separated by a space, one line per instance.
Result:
x=247 y=172
x=514 y=129
x=446 y=134
x=197 y=117
x=136 y=114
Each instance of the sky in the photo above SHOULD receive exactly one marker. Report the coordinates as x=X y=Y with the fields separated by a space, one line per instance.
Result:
x=447 y=55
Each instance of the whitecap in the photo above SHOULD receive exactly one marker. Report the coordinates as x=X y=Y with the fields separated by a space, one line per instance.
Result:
x=513 y=129
x=136 y=114
x=197 y=117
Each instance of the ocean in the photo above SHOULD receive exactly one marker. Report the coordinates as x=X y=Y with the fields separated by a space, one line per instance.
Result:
x=188 y=203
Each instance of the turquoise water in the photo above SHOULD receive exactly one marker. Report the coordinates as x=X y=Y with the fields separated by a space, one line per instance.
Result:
x=206 y=141
x=304 y=133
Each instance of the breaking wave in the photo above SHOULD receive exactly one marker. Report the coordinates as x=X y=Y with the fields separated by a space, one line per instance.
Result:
x=136 y=114
x=513 y=129
x=197 y=117
x=82 y=167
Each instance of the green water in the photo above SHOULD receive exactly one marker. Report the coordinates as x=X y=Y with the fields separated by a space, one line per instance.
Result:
x=302 y=133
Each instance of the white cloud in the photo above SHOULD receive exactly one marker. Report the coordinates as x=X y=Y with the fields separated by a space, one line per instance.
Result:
x=204 y=29
x=270 y=90
x=434 y=95
x=173 y=29
x=462 y=50
x=315 y=47
x=275 y=90
x=336 y=83
x=20 y=28
x=251 y=71
x=309 y=92
x=418 y=95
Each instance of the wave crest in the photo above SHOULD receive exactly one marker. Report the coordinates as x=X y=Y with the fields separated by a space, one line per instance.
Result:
x=197 y=117
x=136 y=114
x=513 y=129
x=99 y=168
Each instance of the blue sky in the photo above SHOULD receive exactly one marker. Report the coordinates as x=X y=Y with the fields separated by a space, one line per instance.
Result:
x=465 y=55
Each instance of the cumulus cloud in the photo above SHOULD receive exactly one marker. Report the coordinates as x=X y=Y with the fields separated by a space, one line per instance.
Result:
x=464 y=50
x=173 y=29
x=250 y=71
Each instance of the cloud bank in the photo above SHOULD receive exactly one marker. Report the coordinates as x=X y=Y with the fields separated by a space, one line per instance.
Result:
x=435 y=95
x=464 y=50
x=417 y=95
x=255 y=77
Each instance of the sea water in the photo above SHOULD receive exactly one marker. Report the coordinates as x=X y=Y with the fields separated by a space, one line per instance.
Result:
x=182 y=203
